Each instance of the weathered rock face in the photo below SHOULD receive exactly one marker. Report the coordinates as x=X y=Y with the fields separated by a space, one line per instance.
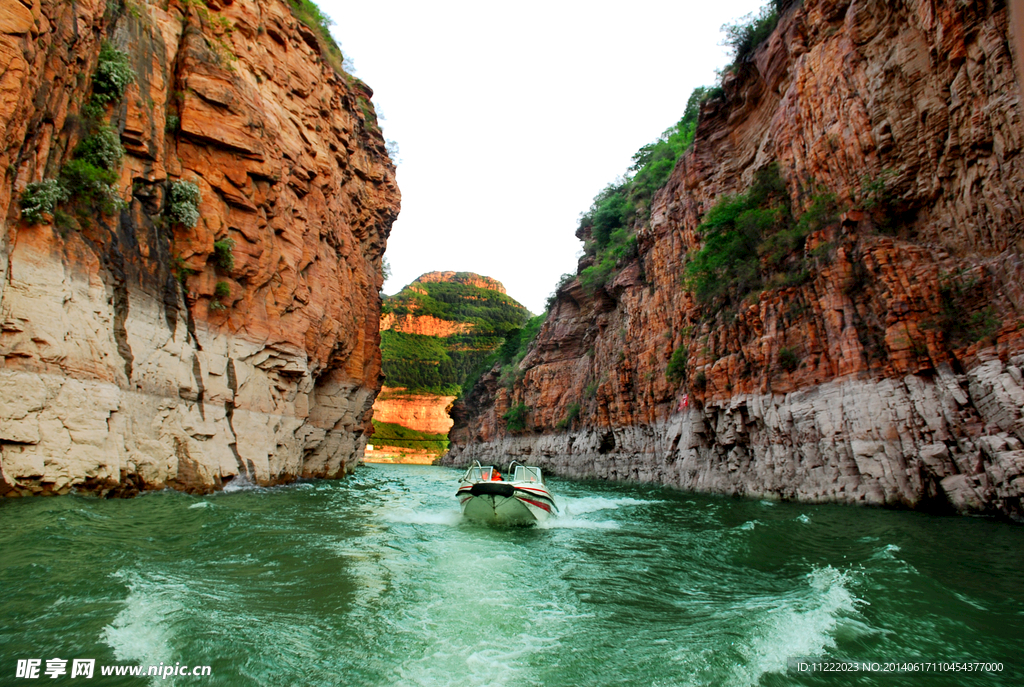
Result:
x=426 y=413
x=116 y=376
x=892 y=374
x=424 y=325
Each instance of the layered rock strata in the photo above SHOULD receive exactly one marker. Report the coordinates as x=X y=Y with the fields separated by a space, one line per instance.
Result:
x=126 y=367
x=427 y=413
x=892 y=373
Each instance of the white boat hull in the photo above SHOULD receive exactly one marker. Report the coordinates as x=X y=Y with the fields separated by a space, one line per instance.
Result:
x=526 y=506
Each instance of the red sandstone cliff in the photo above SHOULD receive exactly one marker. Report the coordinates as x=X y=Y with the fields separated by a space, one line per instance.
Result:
x=845 y=387
x=115 y=376
x=421 y=412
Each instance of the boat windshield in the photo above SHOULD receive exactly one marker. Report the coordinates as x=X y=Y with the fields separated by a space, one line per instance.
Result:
x=526 y=474
x=479 y=474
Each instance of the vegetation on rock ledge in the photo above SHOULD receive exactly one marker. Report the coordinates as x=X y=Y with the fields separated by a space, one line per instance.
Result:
x=448 y=365
x=751 y=241
x=391 y=434
x=610 y=220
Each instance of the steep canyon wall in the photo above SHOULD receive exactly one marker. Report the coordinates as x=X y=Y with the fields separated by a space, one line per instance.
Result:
x=126 y=365
x=890 y=371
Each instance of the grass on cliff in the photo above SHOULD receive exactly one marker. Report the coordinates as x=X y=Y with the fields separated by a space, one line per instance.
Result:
x=610 y=220
x=515 y=348
x=744 y=36
x=320 y=24
x=449 y=365
x=966 y=315
x=489 y=311
x=418 y=363
x=87 y=183
x=752 y=241
x=391 y=434
x=444 y=366
x=515 y=418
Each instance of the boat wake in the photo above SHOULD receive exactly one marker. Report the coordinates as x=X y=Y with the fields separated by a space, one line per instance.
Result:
x=418 y=517
x=569 y=522
x=803 y=623
x=141 y=631
x=591 y=504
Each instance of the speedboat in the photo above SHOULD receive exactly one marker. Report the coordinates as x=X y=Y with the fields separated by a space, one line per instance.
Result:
x=486 y=496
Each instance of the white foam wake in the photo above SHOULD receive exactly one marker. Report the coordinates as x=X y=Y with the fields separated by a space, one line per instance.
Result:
x=802 y=625
x=422 y=517
x=569 y=522
x=590 y=504
x=141 y=632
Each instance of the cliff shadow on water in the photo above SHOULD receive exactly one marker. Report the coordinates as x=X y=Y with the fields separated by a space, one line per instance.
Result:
x=809 y=288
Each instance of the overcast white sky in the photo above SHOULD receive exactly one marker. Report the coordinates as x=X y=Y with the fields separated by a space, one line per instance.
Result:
x=511 y=117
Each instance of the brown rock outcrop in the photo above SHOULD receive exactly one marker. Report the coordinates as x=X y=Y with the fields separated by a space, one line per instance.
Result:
x=424 y=325
x=426 y=413
x=116 y=377
x=858 y=384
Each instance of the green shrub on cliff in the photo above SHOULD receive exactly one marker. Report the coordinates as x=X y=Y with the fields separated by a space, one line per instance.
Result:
x=744 y=36
x=313 y=17
x=751 y=240
x=517 y=345
x=102 y=149
x=390 y=434
x=223 y=253
x=572 y=413
x=610 y=219
x=428 y=363
x=91 y=186
x=515 y=418
x=183 y=207
x=88 y=182
x=676 y=370
x=486 y=309
x=489 y=322
x=40 y=198
x=113 y=74
x=965 y=317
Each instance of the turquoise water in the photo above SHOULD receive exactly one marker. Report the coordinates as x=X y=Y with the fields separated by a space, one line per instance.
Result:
x=375 y=580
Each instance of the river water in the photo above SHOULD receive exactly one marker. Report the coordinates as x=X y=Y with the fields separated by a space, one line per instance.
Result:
x=376 y=580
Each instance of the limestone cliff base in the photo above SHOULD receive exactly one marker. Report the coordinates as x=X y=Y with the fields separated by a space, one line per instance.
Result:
x=142 y=348
x=942 y=442
x=60 y=434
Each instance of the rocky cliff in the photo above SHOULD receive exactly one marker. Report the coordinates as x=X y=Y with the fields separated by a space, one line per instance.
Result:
x=146 y=346
x=880 y=360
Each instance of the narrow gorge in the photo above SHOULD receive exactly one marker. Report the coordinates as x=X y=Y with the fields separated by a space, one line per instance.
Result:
x=825 y=299
x=438 y=334
x=194 y=204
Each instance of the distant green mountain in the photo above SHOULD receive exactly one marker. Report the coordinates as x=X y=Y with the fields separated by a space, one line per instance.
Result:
x=439 y=331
